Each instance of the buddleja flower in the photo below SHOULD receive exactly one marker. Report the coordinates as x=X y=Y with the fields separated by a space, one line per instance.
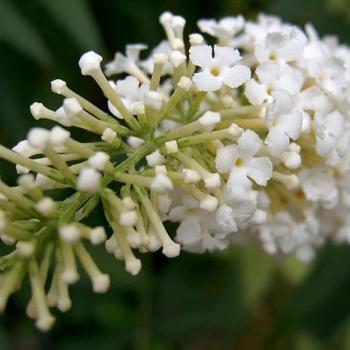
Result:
x=243 y=141
x=222 y=69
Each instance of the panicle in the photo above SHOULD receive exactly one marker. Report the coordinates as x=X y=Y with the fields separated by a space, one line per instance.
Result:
x=245 y=140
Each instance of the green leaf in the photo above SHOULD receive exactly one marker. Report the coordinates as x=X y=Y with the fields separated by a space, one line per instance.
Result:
x=295 y=270
x=305 y=341
x=321 y=304
x=4 y=343
x=256 y=270
x=77 y=20
x=20 y=34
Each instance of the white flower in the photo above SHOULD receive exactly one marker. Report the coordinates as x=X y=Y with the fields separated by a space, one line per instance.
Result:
x=222 y=69
x=319 y=186
x=329 y=128
x=224 y=29
x=284 y=234
x=286 y=46
x=125 y=63
x=89 y=180
x=130 y=92
x=163 y=48
x=239 y=160
x=198 y=230
x=283 y=121
x=155 y=158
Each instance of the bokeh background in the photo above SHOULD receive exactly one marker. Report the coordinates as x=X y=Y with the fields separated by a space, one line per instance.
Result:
x=238 y=299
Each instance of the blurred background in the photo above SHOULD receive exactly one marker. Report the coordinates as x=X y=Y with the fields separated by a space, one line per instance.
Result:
x=238 y=299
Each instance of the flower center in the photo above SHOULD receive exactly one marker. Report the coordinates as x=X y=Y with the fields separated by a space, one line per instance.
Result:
x=273 y=56
x=215 y=71
x=239 y=162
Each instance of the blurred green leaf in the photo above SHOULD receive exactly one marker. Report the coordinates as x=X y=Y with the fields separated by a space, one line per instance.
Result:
x=20 y=34
x=4 y=344
x=305 y=341
x=322 y=302
x=256 y=269
x=295 y=270
x=340 y=7
x=76 y=19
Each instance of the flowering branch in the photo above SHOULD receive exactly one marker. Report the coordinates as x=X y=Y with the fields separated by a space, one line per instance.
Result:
x=243 y=141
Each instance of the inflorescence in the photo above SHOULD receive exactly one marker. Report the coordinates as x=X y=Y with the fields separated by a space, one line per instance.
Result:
x=242 y=142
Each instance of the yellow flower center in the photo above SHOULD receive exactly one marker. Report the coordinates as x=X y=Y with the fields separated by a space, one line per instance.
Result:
x=239 y=162
x=273 y=57
x=215 y=71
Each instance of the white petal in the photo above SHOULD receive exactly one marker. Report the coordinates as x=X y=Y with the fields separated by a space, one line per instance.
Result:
x=290 y=79
x=293 y=46
x=205 y=81
x=225 y=219
x=231 y=25
x=277 y=141
x=268 y=73
x=314 y=99
x=260 y=170
x=261 y=53
x=177 y=213
x=283 y=102
x=119 y=65
x=236 y=76
x=238 y=184
x=211 y=243
x=201 y=55
x=189 y=231
x=128 y=87
x=133 y=51
x=255 y=93
x=335 y=123
x=225 y=158
x=245 y=208
x=114 y=111
x=249 y=144
x=325 y=144
x=291 y=124
x=226 y=56
x=207 y=26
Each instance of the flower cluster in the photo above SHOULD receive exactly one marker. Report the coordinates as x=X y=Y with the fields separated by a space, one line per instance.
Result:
x=241 y=142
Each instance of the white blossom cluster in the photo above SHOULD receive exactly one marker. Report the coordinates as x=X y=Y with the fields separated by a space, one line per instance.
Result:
x=243 y=141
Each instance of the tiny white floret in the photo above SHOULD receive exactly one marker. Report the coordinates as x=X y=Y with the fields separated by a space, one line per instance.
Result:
x=58 y=136
x=25 y=248
x=135 y=142
x=155 y=158
x=69 y=233
x=128 y=218
x=46 y=207
x=212 y=181
x=177 y=58
x=191 y=176
x=185 y=83
x=101 y=283
x=97 y=235
x=38 y=138
x=58 y=86
x=72 y=107
x=133 y=266
x=209 y=203
x=171 y=146
x=99 y=160
x=90 y=63
x=209 y=119
x=89 y=180
x=108 y=135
